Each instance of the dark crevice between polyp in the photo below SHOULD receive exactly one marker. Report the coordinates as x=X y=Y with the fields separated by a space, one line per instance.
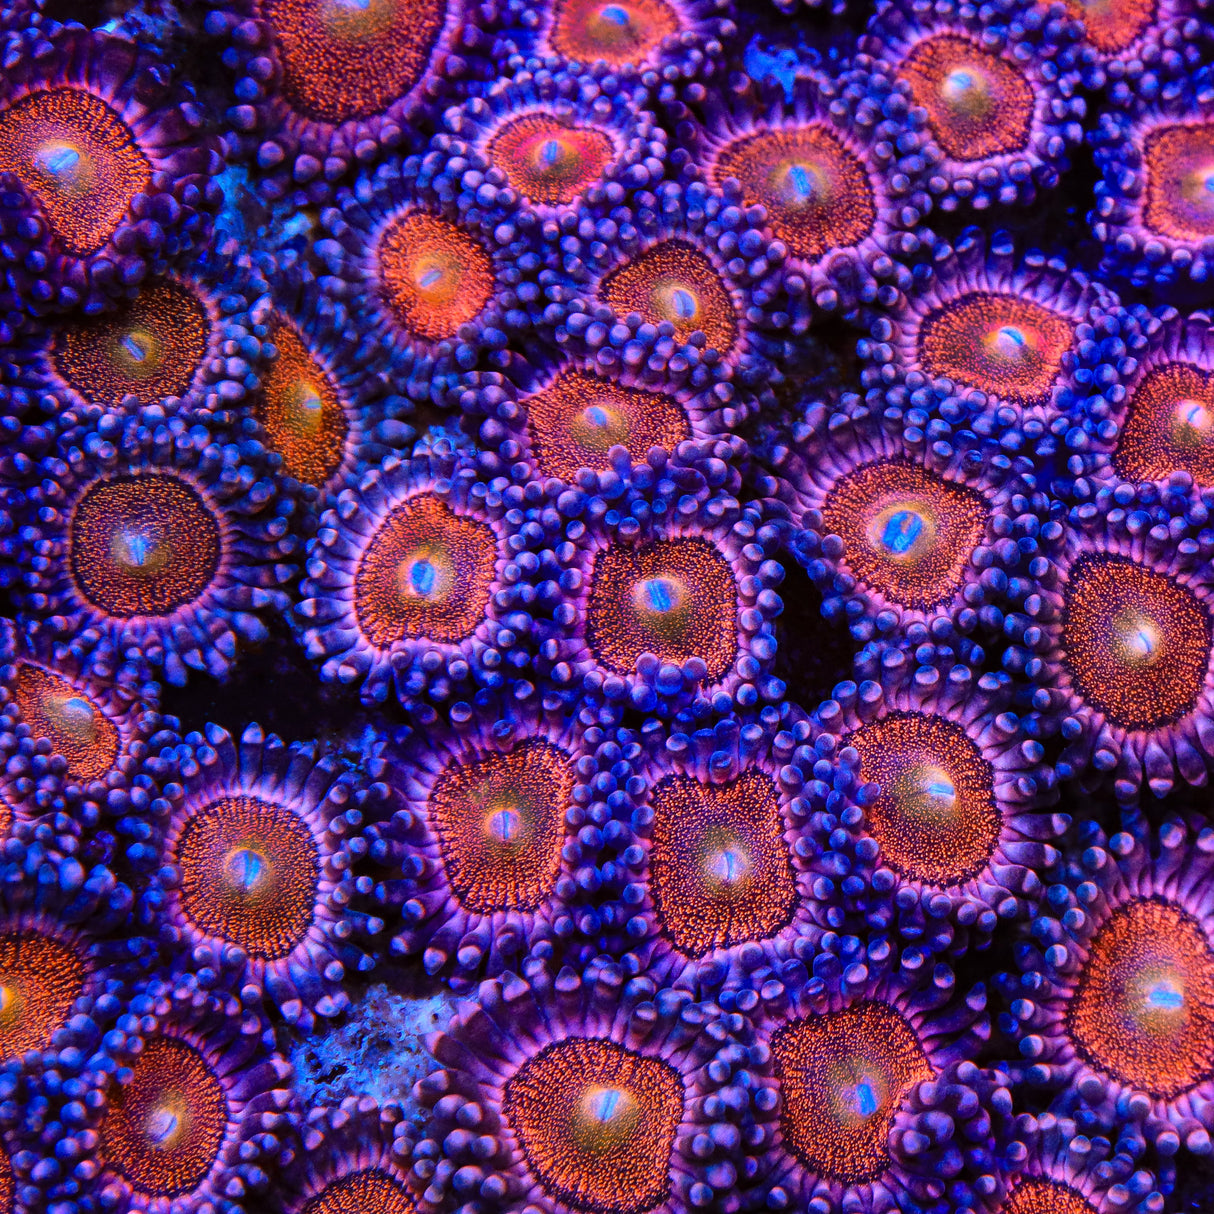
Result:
x=82 y=12
x=275 y=685
x=813 y=653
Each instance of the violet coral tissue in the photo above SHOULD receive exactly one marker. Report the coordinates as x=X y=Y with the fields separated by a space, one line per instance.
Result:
x=606 y=607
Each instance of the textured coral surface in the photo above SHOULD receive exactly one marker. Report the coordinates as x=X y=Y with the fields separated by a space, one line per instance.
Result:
x=606 y=606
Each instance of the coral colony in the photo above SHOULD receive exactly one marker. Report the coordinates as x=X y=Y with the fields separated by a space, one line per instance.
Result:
x=606 y=607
